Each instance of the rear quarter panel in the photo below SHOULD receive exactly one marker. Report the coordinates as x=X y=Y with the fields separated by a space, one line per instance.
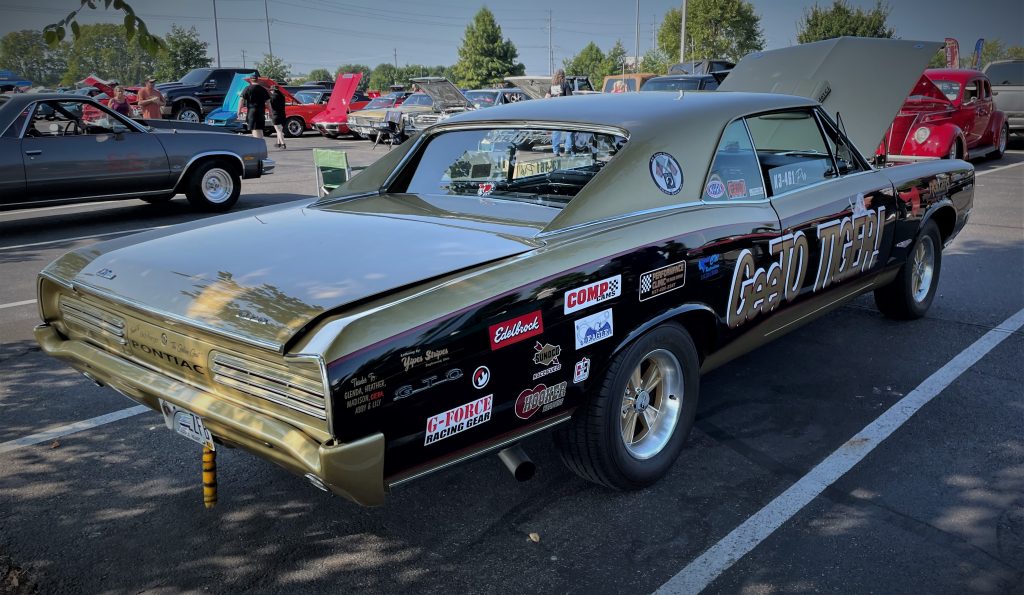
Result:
x=183 y=147
x=942 y=190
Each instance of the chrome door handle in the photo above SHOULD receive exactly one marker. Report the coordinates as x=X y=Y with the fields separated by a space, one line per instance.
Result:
x=34 y=152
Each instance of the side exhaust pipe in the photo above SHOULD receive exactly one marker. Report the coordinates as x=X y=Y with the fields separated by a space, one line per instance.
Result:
x=517 y=462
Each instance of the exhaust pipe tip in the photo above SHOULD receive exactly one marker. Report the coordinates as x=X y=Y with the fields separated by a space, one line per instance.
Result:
x=517 y=462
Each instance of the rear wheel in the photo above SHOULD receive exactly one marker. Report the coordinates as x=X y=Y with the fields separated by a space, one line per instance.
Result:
x=910 y=294
x=628 y=434
x=188 y=113
x=213 y=186
x=954 y=150
x=294 y=126
x=1004 y=132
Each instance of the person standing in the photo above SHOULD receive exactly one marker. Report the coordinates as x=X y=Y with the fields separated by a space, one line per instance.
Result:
x=277 y=115
x=119 y=103
x=150 y=100
x=255 y=97
x=560 y=88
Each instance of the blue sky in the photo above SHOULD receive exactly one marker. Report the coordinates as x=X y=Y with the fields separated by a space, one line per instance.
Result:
x=325 y=33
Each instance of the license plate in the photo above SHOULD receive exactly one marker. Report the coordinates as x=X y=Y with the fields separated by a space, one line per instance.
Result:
x=186 y=423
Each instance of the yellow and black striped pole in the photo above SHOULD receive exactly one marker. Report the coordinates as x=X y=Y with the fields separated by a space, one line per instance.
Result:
x=209 y=477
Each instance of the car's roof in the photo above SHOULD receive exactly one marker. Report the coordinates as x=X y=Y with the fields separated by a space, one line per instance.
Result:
x=953 y=74
x=680 y=77
x=687 y=126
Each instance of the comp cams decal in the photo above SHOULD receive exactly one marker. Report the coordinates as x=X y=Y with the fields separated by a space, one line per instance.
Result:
x=667 y=278
x=849 y=246
x=589 y=295
x=459 y=419
x=540 y=398
x=593 y=328
x=518 y=329
x=666 y=173
x=546 y=355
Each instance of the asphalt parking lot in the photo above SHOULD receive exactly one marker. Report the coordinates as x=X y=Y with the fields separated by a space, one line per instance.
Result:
x=937 y=507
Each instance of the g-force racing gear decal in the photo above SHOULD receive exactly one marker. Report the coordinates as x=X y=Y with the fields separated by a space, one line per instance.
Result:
x=460 y=419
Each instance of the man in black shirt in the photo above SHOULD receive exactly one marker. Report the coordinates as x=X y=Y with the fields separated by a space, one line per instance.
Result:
x=255 y=97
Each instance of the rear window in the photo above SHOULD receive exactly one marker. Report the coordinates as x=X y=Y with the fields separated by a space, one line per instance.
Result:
x=517 y=164
x=1007 y=73
x=609 y=84
x=419 y=99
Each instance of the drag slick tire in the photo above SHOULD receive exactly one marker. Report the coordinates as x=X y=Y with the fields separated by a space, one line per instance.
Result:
x=628 y=434
x=213 y=186
x=294 y=127
x=910 y=294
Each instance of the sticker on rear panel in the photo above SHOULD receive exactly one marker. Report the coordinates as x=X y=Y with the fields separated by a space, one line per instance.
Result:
x=459 y=419
x=594 y=328
x=666 y=173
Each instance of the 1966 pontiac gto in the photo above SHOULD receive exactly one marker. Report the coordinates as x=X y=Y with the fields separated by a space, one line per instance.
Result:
x=471 y=289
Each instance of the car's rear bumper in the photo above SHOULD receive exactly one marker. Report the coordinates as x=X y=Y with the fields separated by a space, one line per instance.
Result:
x=267 y=166
x=1015 y=121
x=354 y=470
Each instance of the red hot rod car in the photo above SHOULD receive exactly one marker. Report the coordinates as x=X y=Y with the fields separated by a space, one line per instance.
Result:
x=949 y=114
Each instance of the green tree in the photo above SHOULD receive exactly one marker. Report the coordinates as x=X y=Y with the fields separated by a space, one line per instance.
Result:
x=273 y=67
x=484 y=57
x=319 y=74
x=615 y=59
x=1015 y=52
x=364 y=83
x=54 y=33
x=590 y=61
x=26 y=53
x=383 y=77
x=656 y=61
x=103 y=49
x=843 y=20
x=714 y=29
x=183 y=50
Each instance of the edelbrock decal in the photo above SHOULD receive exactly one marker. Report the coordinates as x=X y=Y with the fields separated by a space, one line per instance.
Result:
x=593 y=328
x=667 y=278
x=540 y=398
x=589 y=295
x=459 y=419
x=516 y=330
x=849 y=246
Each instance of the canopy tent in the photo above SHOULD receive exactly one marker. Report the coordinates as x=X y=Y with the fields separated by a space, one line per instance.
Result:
x=9 y=78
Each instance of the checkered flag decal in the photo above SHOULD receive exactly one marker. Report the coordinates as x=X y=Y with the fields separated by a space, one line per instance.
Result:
x=645 y=283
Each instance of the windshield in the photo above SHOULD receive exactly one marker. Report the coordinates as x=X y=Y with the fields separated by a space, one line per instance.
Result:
x=482 y=98
x=195 y=77
x=383 y=101
x=516 y=164
x=951 y=89
x=307 y=97
x=419 y=99
x=689 y=84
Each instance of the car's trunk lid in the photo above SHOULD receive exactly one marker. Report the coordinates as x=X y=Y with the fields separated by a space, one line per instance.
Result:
x=263 y=278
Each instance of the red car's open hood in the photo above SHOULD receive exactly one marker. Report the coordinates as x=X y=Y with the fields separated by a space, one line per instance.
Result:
x=341 y=97
x=925 y=90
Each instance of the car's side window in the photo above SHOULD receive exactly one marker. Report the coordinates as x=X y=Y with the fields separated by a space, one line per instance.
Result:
x=710 y=85
x=790 y=149
x=72 y=118
x=846 y=157
x=971 y=92
x=986 y=90
x=15 y=128
x=735 y=173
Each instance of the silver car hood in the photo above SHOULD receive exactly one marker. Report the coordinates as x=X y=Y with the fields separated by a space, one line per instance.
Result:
x=864 y=80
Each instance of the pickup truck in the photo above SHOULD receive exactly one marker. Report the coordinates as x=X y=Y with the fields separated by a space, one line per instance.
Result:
x=199 y=92
x=1007 y=78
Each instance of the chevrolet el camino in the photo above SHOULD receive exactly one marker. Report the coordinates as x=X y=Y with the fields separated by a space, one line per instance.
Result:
x=471 y=289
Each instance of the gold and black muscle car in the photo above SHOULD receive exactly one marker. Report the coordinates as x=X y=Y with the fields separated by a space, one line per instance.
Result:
x=471 y=288
x=57 y=148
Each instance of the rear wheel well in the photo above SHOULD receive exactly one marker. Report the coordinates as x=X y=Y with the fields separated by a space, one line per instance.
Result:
x=703 y=328
x=945 y=218
x=228 y=162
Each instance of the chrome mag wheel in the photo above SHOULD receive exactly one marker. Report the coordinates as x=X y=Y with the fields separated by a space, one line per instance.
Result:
x=923 y=268
x=651 y=404
x=217 y=185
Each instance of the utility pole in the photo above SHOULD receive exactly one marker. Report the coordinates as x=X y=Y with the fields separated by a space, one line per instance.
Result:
x=396 y=58
x=682 y=35
x=216 y=33
x=243 y=58
x=551 y=49
x=636 y=67
x=266 y=13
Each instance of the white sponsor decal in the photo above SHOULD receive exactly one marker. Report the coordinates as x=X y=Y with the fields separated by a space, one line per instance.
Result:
x=595 y=293
x=594 y=328
x=459 y=419
x=581 y=371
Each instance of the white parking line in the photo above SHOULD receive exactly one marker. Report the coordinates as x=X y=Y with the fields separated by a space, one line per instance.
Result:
x=701 y=572
x=994 y=169
x=13 y=304
x=75 y=239
x=79 y=426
